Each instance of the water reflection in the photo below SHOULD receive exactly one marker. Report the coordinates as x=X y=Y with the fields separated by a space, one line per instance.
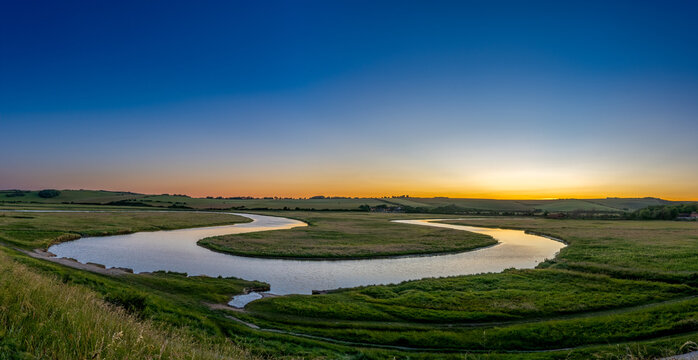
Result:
x=176 y=250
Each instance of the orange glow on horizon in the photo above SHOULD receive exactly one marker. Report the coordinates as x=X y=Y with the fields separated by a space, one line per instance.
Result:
x=372 y=183
x=197 y=193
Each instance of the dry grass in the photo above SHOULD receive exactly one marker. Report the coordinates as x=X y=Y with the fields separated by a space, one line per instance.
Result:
x=40 y=317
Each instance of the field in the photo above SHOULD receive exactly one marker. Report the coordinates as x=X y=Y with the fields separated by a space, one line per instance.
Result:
x=604 y=205
x=43 y=317
x=336 y=235
x=621 y=289
x=31 y=230
x=616 y=282
x=438 y=204
x=52 y=311
x=666 y=250
x=115 y=198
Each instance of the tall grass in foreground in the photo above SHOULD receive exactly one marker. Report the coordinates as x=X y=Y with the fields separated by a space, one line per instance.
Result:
x=40 y=317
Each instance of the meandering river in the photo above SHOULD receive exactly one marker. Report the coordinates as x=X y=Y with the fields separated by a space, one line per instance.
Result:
x=176 y=250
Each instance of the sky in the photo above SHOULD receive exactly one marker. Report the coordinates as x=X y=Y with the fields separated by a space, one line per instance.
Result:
x=484 y=99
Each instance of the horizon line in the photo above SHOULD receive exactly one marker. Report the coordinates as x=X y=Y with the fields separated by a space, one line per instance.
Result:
x=389 y=196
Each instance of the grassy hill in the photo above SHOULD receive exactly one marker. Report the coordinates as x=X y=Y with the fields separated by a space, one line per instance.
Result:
x=607 y=204
x=120 y=198
x=78 y=196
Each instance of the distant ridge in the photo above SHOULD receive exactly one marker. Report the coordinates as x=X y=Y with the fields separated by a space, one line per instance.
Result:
x=126 y=198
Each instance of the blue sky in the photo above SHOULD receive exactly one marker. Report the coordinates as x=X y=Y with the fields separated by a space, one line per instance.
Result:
x=463 y=98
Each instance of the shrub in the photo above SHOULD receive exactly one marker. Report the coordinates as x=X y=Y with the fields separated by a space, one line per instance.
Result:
x=49 y=193
x=133 y=302
x=14 y=193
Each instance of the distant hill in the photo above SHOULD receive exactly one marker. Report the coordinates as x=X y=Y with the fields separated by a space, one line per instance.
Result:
x=120 y=198
x=557 y=205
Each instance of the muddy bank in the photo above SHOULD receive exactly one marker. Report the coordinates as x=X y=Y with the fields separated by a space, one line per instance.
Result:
x=70 y=262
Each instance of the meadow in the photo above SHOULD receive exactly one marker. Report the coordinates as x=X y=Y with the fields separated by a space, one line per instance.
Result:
x=616 y=282
x=621 y=289
x=342 y=235
x=43 y=317
x=32 y=230
x=54 y=311
x=662 y=250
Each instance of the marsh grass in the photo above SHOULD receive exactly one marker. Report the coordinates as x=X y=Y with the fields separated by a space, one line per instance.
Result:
x=609 y=286
x=41 y=230
x=43 y=318
x=512 y=295
x=341 y=235
x=663 y=250
x=51 y=311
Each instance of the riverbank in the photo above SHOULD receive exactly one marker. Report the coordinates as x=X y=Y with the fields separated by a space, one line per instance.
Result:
x=69 y=321
x=39 y=230
x=653 y=250
x=617 y=281
x=106 y=313
x=345 y=236
x=142 y=253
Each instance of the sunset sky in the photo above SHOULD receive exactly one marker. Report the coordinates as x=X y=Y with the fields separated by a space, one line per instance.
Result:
x=490 y=99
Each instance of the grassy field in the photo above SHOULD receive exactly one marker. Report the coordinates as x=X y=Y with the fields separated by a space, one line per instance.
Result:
x=52 y=311
x=116 y=198
x=663 y=250
x=606 y=205
x=67 y=196
x=30 y=230
x=591 y=302
x=336 y=235
x=616 y=282
x=44 y=318
x=508 y=296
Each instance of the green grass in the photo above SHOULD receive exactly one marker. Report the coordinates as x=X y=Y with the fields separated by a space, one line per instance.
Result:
x=606 y=205
x=569 y=205
x=512 y=295
x=616 y=282
x=480 y=204
x=83 y=196
x=171 y=302
x=30 y=230
x=44 y=318
x=592 y=299
x=339 y=235
x=662 y=250
x=661 y=320
x=99 y=197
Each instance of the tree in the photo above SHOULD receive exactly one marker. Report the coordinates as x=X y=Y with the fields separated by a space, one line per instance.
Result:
x=49 y=193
